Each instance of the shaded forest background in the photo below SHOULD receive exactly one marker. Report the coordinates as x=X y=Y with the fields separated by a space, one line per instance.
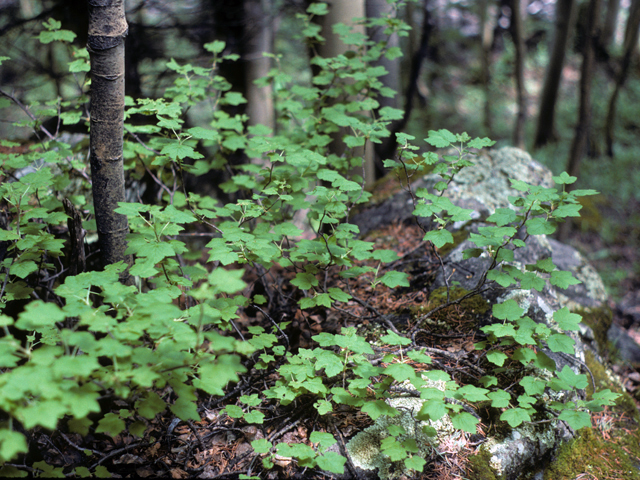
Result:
x=474 y=66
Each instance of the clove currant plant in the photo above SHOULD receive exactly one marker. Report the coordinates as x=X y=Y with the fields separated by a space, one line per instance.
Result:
x=164 y=342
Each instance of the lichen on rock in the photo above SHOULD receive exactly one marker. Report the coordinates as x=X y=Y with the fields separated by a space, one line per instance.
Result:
x=365 y=448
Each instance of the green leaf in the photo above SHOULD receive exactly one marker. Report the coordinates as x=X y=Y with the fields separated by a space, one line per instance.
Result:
x=582 y=193
x=185 y=409
x=563 y=279
x=515 y=416
x=500 y=330
x=251 y=400
x=418 y=356
x=338 y=295
x=441 y=138
x=508 y=310
x=111 y=424
x=151 y=405
x=480 y=143
x=542 y=360
x=439 y=238
x=395 y=279
x=576 y=419
x=217 y=46
x=254 y=416
x=39 y=314
x=221 y=252
x=564 y=179
x=49 y=471
x=559 y=342
x=393 y=449
x=300 y=451
x=23 y=269
x=525 y=401
x=180 y=151
x=499 y=399
x=385 y=256
x=533 y=386
x=332 y=462
x=214 y=377
x=567 y=320
x=433 y=410
x=233 y=98
x=465 y=421
x=497 y=358
x=531 y=281
x=323 y=407
x=234 y=411
x=601 y=399
x=11 y=444
x=392 y=338
x=305 y=281
x=204 y=133
x=318 y=9
x=488 y=380
x=79 y=66
x=156 y=252
x=502 y=216
x=501 y=278
x=261 y=445
x=376 y=408
x=415 y=463
x=400 y=371
x=571 y=378
x=546 y=265
x=539 y=226
x=323 y=438
x=472 y=393
x=57 y=35
x=329 y=361
x=227 y=281
x=567 y=210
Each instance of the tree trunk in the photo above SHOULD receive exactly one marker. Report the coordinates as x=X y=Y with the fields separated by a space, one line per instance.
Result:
x=259 y=34
x=565 y=16
x=517 y=34
x=387 y=149
x=343 y=11
x=579 y=144
x=229 y=20
x=487 y=25
x=610 y=23
x=107 y=29
x=379 y=9
x=630 y=44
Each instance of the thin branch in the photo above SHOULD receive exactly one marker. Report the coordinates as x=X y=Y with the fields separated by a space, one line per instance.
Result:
x=26 y=110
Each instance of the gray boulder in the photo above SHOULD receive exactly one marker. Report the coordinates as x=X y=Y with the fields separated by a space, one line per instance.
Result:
x=484 y=188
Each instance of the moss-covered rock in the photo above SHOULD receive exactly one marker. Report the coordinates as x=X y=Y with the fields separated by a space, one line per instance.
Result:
x=599 y=320
x=479 y=466
x=590 y=453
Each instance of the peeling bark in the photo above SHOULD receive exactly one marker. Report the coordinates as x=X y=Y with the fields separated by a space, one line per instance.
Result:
x=107 y=29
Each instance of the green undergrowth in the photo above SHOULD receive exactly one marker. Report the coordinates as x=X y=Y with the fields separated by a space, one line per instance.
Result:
x=277 y=240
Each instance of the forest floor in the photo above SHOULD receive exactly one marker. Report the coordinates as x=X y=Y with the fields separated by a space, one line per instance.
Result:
x=218 y=447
